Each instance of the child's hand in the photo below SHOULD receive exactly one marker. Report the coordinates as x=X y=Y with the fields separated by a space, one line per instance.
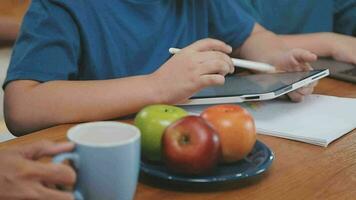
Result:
x=296 y=60
x=201 y=64
x=342 y=47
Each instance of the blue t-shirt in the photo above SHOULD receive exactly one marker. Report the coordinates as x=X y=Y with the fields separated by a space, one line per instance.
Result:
x=303 y=16
x=96 y=40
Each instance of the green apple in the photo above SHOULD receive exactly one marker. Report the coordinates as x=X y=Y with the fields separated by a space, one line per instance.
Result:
x=152 y=121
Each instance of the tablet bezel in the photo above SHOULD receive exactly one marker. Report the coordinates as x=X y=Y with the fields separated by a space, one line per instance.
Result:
x=258 y=97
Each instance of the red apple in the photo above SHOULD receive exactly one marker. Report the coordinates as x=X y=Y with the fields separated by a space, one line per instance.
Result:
x=236 y=129
x=191 y=146
x=152 y=120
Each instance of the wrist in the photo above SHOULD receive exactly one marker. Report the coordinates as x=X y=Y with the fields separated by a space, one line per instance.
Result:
x=155 y=89
x=275 y=57
x=328 y=44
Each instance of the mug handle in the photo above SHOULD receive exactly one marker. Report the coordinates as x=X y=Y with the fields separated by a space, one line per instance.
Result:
x=75 y=160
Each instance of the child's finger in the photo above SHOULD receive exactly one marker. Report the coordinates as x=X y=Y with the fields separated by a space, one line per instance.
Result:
x=308 y=66
x=292 y=66
x=295 y=64
x=214 y=55
x=304 y=67
x=304 y=56
x=212 y=79
x=295 y=96
x=305 y=90
x=313 y=84
x=214 y=67
x=210 y=45
x=299 y=94
x=300 y=59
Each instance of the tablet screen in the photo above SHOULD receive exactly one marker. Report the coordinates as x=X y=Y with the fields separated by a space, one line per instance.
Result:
x=237 y=85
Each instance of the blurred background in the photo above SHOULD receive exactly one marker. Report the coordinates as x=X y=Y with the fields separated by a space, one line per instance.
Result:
x=11 y=14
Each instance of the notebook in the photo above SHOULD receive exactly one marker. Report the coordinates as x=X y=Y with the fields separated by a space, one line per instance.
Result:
x=318 y=120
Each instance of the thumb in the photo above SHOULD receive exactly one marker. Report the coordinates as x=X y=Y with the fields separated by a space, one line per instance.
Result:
x=45 y=148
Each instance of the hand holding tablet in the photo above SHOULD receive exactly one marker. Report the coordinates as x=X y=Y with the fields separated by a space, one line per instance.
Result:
x=255 y=87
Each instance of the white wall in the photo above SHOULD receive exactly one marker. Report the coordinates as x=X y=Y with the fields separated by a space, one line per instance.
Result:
x=5 y=54
x=4 y=63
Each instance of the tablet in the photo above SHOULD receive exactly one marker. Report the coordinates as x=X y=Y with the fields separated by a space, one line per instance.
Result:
x=255 y=87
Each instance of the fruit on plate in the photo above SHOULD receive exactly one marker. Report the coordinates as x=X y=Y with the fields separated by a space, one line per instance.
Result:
x=152 y=120
x=235 y=127
x=191 y=146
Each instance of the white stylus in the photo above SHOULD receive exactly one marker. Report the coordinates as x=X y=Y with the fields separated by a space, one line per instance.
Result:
x=247 y=64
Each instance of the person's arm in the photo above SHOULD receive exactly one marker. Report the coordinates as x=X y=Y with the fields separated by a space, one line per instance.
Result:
x=264 y=46
x=30 y=105
x=23 y=177
x=260 y=46
x=339 y=47
x=9 y=29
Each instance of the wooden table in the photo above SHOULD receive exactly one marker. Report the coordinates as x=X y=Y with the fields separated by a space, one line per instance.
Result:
x=299 y=171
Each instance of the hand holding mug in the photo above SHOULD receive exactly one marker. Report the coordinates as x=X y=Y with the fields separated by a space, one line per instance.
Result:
x=23 y=177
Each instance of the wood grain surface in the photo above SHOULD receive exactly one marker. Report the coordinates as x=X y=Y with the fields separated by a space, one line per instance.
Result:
x=299 y=171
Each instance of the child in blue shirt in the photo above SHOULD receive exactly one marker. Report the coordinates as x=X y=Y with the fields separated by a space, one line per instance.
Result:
x=323 y=27
x=78 y=61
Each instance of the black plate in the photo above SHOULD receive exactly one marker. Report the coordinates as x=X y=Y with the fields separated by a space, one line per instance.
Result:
x=257 y=162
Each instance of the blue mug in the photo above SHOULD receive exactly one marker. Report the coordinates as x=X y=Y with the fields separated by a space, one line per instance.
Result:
x=106 y=158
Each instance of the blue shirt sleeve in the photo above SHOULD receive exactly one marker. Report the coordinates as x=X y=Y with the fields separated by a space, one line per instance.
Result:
x=229 y=23
x=48 y=47
x=345 y=17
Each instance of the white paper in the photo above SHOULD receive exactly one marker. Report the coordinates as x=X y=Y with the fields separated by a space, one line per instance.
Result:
x=318 y=120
